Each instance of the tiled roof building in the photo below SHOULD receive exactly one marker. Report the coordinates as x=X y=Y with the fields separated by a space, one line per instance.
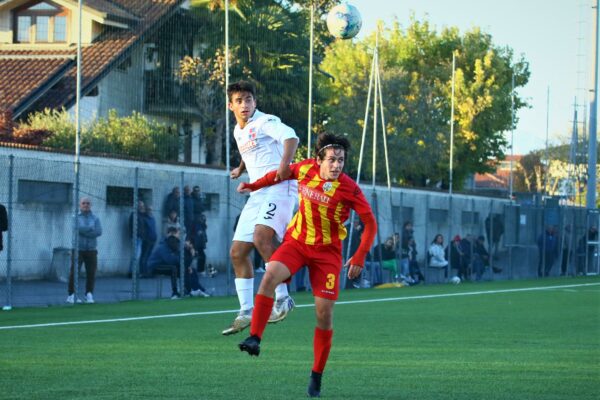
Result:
x=38 y=46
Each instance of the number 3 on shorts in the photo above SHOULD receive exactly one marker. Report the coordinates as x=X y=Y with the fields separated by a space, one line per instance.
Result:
x=330 y=284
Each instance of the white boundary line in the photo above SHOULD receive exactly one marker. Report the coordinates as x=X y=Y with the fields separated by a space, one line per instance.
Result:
x=430 y=296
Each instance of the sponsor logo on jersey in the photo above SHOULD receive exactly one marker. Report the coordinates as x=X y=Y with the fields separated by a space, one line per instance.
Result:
x=313 y=195
x=249 y=145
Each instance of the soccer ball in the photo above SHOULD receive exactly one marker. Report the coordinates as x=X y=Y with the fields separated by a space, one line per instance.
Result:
x=455 y=280
x=344 y=21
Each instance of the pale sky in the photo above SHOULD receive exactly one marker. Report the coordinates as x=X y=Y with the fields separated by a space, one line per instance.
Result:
x=556 y=37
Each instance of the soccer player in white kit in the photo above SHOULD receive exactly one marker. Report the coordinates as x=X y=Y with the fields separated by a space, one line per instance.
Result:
x=265 y=144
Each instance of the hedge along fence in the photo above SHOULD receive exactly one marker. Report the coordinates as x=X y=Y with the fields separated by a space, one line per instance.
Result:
x=134 y=135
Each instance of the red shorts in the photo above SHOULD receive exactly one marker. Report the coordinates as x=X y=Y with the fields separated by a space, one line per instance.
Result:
x=324 y=265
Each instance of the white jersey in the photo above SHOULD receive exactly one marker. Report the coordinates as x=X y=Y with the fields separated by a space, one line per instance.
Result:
x=260 y=144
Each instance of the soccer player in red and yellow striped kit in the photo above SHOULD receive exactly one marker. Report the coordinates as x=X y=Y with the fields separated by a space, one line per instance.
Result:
x=314 y=238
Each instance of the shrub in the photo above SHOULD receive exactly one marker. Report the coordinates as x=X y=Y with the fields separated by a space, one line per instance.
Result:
x=134 y=135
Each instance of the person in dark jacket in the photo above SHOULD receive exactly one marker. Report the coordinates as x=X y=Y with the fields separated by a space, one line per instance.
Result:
x=494 y=229
x=3 y=224
x=481 y=257
x=145 y=237
x=172 y=202
x=167 y=254
x=188 y=211
x=548 y=251
x=457 y=257
x=407 y=236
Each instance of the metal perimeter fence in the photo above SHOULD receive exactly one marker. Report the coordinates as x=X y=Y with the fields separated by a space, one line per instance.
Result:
x=40 y=191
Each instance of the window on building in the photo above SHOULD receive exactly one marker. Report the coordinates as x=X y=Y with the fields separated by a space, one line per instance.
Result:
x=40 y=22
x=123 y=196
x=211 y=202
x=60 y=29
x=438 y=215
x=44 y=192
x=470 y=218
x=23 y=28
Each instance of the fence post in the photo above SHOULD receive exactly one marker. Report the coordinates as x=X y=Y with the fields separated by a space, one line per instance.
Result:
x=134 y=246
x=8 y=306
x=75 y=238
x=182 y=235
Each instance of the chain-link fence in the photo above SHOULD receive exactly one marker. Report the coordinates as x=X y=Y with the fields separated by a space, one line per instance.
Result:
x=39 y=195
x=38 y=189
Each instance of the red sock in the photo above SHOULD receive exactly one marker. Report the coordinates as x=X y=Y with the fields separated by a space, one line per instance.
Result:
x=260 y=315
x=321 y=347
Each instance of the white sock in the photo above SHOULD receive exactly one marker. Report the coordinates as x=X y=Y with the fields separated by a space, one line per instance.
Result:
x=281 y=291
x=245 y=291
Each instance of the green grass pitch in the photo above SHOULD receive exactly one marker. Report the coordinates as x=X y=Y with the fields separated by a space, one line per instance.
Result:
x=470 y=341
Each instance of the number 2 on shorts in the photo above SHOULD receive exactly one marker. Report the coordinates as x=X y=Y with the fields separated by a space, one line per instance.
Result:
x=271 y=211
x=330 y=284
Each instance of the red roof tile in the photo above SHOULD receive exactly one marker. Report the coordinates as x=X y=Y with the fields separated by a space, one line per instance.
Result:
x=23 y=77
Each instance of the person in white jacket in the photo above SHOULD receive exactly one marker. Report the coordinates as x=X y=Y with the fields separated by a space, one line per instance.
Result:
x=436 y=252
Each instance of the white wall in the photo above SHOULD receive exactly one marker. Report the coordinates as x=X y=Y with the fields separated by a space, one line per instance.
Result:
x=39 y=228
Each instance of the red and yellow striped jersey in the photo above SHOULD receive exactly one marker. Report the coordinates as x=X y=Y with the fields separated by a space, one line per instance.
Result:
x=323 y=206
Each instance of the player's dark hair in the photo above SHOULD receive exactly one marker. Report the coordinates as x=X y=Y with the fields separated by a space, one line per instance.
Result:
x=240 y=86
x=330 y=140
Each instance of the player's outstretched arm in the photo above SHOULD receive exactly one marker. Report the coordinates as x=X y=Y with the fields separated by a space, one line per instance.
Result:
x=267 y=180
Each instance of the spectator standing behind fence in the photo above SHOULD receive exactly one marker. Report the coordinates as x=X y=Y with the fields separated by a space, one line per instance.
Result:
x=200 y=238
x=167 y=254
x=188 y=210
x=149 y=241
x=407 y=235
x=494 y=229
x=481 y=257
x=145 y=236
x=171 y=202
x=357 y=230
x=89 y=229
x=198 y=202
x=3 y=224
x=547 y=250
x=567 y=244
x=582 y=248
x=436 y=252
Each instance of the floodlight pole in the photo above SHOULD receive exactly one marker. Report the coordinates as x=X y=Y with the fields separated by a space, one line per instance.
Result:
x=593 y=141
x=547 y=166
x=75 y=238
x=512 y=134
x=310 y=78
x=450 y=172
x=227 y=147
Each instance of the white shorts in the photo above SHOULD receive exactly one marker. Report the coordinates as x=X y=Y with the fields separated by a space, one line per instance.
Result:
x=272 y=210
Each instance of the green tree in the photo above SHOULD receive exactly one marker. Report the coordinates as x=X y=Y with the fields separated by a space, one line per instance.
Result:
x=268 y=45
x=416 y=69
